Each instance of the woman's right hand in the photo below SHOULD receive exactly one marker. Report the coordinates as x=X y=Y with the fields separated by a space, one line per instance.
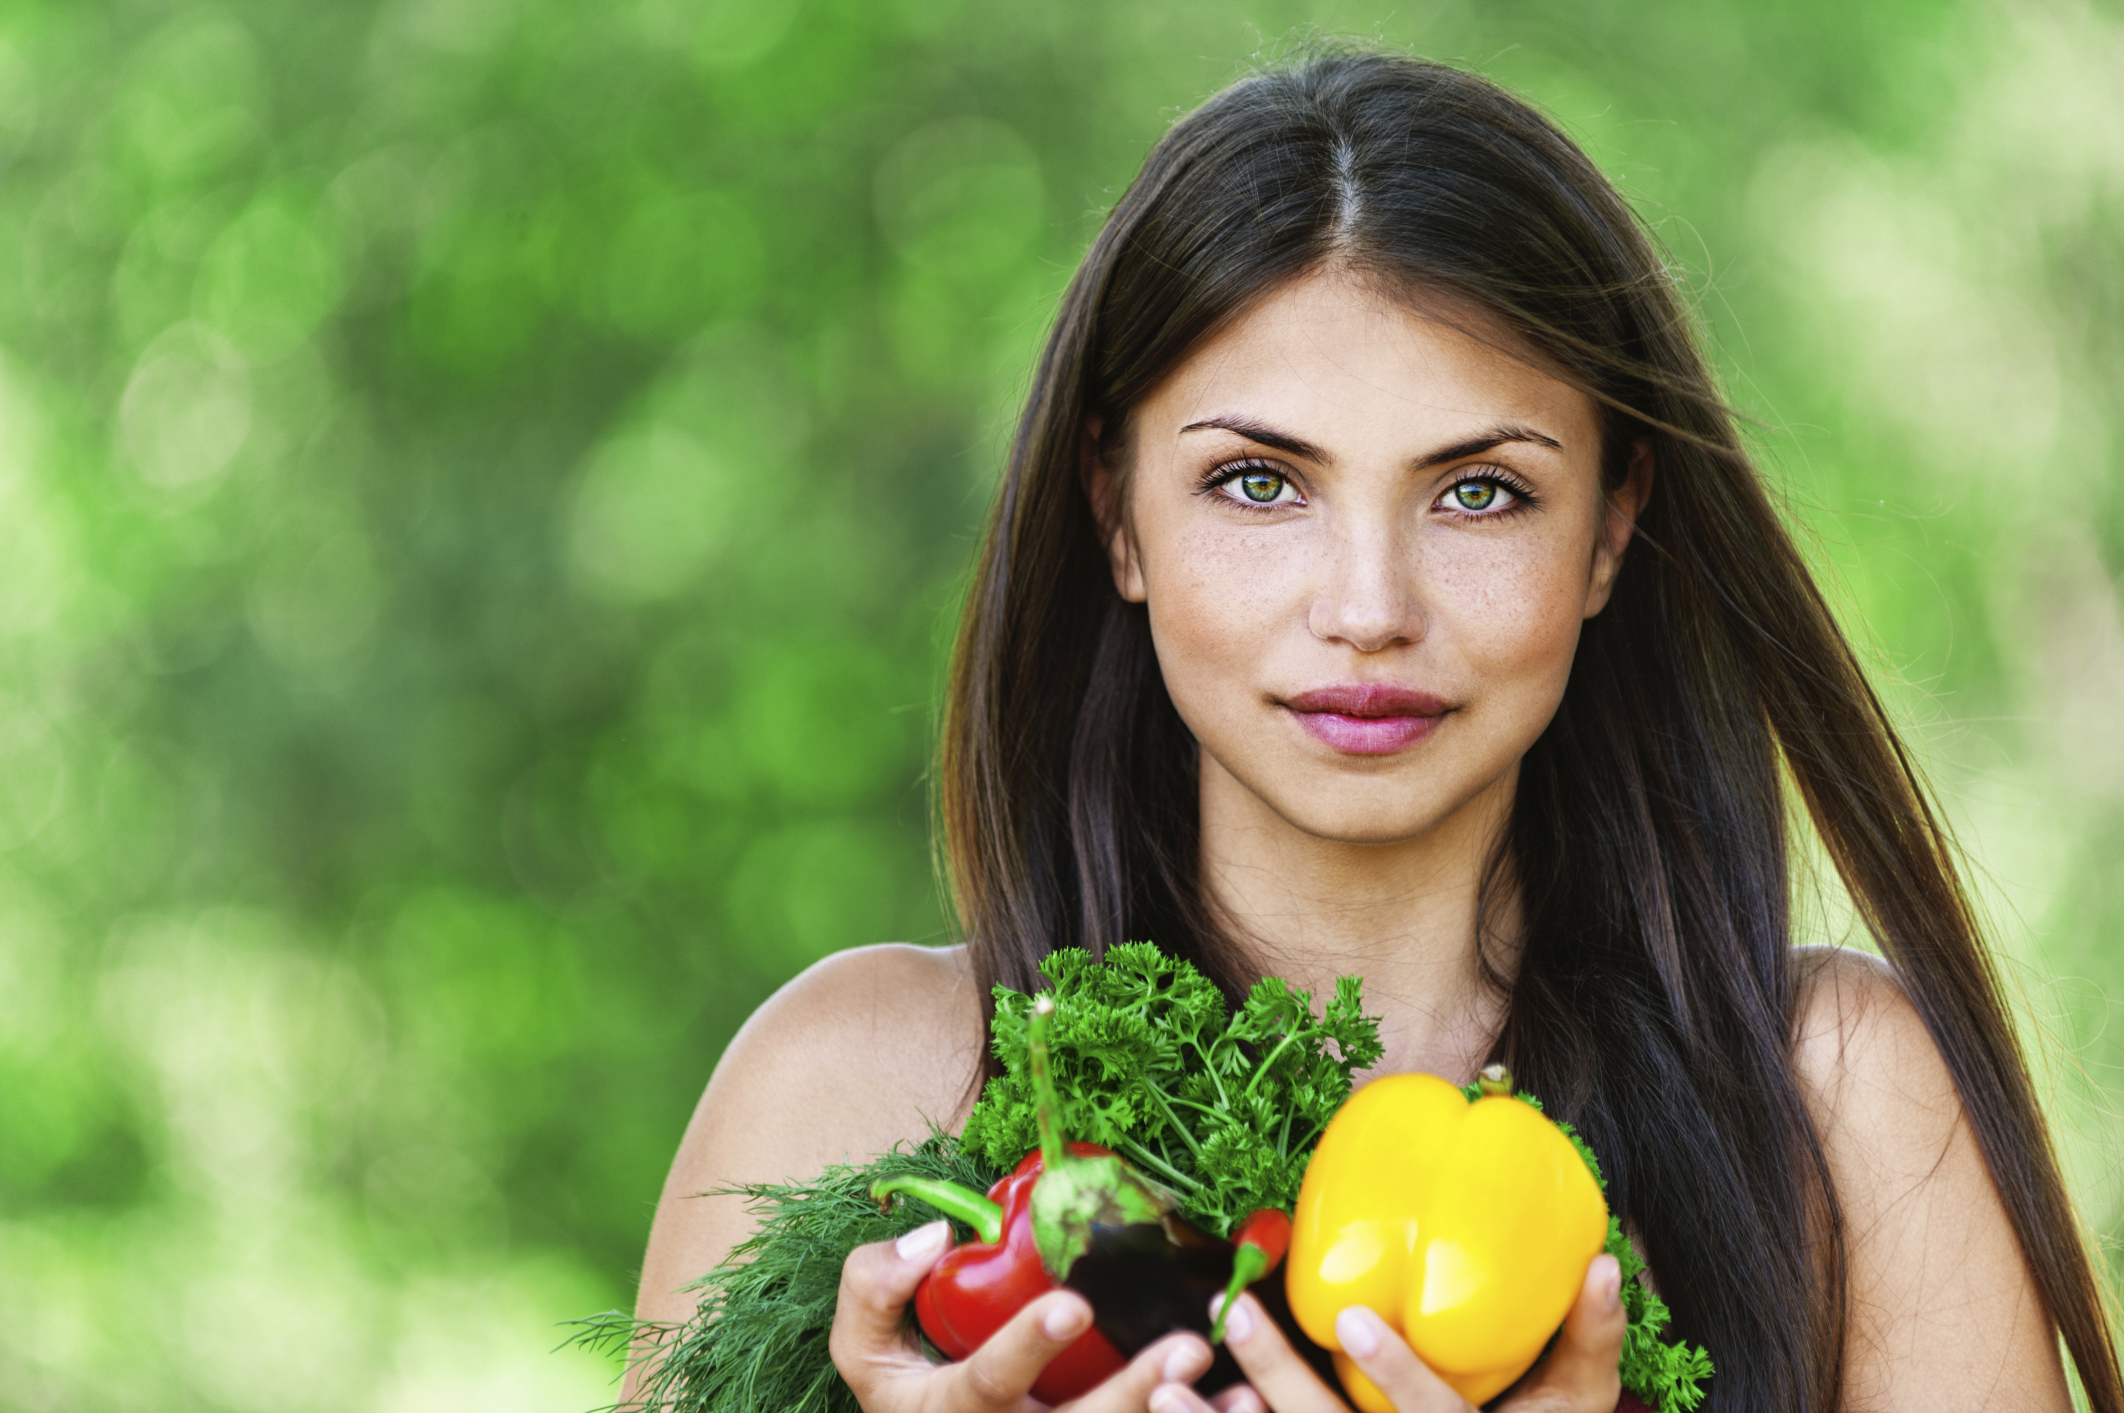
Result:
x=888 y=1373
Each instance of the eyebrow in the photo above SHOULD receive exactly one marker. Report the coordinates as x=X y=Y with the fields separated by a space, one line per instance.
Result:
x=1261 y=432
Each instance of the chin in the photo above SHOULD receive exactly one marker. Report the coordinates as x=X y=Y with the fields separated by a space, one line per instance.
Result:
x=1339 y=814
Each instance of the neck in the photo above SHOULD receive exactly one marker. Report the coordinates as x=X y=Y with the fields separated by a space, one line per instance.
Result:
x=1400 y=914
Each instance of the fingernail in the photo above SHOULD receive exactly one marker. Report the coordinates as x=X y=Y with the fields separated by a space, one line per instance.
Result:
x=1066 y=1320
x=1245 y=1401
x=1185 y=1364
x=1357 y=1331
x=1611 y=1285
x=1240 y=1323
x=923 y=1242
x=1167 y=1399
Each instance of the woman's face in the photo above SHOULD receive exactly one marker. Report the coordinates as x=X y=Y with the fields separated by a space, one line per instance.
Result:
x=1367 y=542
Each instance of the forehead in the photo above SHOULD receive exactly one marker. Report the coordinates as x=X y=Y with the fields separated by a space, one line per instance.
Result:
x=1340 y=358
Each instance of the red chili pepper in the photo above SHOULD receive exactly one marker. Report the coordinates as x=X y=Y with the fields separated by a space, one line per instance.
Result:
x=974 y=1289
x=1268 y=1231
x=1261 y=1241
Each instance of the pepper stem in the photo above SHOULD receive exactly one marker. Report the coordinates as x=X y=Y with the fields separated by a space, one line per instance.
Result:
x=1048 y=1108
x=962 y=1203
x=1494 y=1080
x=1249 y=1264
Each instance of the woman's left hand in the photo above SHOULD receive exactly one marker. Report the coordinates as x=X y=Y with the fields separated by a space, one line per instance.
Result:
x=1579 y=1375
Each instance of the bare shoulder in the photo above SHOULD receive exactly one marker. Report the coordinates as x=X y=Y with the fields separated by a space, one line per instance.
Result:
x=1860 y=1045
x=1882 y=1100
x=1943 y=1310
x=877 y=1035
x=864 y=1050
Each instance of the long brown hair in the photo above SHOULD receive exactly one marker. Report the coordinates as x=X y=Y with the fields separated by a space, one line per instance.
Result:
x=1654 y=999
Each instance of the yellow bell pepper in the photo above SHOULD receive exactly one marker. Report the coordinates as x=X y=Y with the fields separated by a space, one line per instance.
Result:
x=1466 y=1226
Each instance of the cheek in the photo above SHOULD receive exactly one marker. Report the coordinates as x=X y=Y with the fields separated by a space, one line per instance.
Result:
x=1512 y=609
x=1217 y=600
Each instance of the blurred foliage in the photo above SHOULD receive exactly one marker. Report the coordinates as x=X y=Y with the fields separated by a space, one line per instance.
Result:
x=483 y=490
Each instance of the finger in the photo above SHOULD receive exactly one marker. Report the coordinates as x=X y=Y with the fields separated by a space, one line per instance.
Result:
x=1239 y=1398
x=1179 y=1398
x=1158 y=1377
x=1001 y=1372
x=877 y=1281
x=1384 y=1357
x=1582 y=1371
x=1280 y=1379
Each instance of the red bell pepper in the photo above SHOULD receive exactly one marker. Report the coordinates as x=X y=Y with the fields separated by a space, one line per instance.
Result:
x=974 y=1289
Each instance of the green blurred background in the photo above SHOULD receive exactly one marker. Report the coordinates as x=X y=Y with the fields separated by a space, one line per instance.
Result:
x=484 y=487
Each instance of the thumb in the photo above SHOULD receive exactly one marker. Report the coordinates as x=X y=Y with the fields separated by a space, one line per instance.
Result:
x=1583 y=1370
x=877 y=1281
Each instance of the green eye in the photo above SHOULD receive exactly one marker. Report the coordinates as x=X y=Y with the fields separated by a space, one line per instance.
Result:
x=1261 y=487
x=1475 y=495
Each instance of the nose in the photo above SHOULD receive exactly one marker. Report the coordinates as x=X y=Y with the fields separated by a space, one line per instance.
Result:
x=1369 y=597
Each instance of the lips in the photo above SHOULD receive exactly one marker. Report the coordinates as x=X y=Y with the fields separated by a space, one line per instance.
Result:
x=1367 y=719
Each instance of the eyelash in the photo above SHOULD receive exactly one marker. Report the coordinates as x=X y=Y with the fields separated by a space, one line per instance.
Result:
x=1523 y=497
x=1224 y=473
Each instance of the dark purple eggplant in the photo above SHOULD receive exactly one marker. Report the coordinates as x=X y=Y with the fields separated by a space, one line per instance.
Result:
x=1148 y=1279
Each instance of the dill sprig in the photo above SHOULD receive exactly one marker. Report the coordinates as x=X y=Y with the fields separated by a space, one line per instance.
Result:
x=757 y=1341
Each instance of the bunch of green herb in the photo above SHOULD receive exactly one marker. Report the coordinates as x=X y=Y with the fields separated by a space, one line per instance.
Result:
x=1221 y=1106
x=1667 y=1376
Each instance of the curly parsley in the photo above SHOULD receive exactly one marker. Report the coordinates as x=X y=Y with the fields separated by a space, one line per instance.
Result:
x=1222 y=1107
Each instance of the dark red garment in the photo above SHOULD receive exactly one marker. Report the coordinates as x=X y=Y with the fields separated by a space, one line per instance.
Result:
x=1630 y=1403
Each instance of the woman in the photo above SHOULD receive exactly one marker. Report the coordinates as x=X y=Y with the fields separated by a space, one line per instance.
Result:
x=1379 y=586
